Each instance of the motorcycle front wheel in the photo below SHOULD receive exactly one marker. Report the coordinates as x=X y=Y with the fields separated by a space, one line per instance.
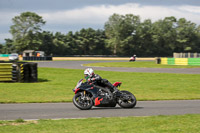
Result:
x=127 y=99
x=83 y=102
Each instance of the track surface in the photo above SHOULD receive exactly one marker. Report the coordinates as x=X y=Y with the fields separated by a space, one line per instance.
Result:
x=78 y=65
x=68 y=110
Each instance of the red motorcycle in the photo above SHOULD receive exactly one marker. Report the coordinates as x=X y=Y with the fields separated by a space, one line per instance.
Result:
x=89 y=95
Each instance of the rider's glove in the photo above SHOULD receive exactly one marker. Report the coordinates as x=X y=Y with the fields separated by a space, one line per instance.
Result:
x=91 y=79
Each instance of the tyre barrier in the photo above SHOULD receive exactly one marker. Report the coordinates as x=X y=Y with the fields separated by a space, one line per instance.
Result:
x=48 y=58
x=18 y=72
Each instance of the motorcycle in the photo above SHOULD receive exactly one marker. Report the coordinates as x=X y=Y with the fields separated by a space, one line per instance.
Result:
x=88 y=95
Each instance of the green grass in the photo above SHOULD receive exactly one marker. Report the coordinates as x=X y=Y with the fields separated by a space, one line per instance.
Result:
x=153 y=124
x=55 y=85
x=141 y=64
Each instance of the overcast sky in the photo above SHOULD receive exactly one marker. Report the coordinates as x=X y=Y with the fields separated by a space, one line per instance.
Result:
x=67 y=15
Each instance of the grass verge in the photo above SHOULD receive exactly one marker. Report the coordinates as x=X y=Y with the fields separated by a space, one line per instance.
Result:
x=141 y=64
x=153 y=124
x=55 y=85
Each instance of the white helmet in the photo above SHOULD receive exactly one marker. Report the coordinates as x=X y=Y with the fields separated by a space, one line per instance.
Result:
x=88 y=72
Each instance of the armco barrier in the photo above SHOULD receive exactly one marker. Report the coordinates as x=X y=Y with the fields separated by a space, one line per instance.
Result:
x=180 y=61
x=18 y=72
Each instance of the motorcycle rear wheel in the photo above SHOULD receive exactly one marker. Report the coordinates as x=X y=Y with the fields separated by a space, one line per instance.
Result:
x=127 y=100
x=82 y=102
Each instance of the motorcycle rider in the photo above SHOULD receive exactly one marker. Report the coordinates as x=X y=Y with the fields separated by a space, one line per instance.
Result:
x=91 y=77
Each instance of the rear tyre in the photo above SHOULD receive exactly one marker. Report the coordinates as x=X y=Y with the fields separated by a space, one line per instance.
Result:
x=82 y=102
x=127 y=100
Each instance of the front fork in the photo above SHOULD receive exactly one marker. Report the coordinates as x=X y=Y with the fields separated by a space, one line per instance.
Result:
x=84 y=96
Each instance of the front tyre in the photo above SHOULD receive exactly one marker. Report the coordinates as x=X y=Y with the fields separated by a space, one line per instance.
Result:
x=83 y=102
x=127 y=100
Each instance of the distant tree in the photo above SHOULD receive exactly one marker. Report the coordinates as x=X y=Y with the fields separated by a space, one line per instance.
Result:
x=47 y=44
x=8 y=47
x=71 y=42
x=90 y=42
x=100 y=44
x=124 y=35
x=60 y=42
x=142 y=39
x=187 y=36
x=119 y=28
x=24 y=30
x=1 y=48
x=164 y=36
x=84 y=39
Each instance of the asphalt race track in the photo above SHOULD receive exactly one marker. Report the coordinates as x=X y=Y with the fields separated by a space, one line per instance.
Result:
x=68 y=110
x=78 y=65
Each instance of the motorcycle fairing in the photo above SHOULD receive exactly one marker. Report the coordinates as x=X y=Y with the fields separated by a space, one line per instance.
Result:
x=97 y=101
x=76 y=90
x=116 y=84
x=89 y=88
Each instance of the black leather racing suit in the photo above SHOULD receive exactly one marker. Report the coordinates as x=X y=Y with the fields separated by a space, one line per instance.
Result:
x=97 y=80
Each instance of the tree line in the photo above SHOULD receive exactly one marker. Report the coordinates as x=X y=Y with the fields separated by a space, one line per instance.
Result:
x=123 y=35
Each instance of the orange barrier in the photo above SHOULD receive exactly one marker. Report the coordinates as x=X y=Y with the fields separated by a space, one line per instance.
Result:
x=4 y=58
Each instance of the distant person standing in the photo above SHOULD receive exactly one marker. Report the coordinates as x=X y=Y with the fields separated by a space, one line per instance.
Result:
x=133 y=58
